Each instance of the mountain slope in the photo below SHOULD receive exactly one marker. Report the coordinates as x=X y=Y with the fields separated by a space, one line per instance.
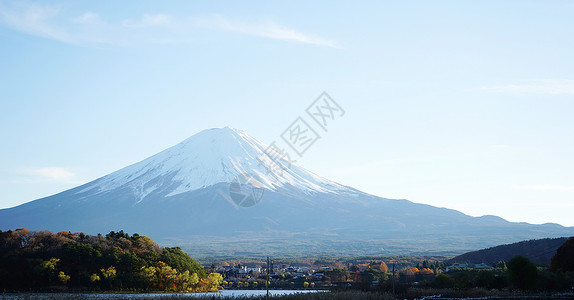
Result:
x=205 y=159
x=539 y=251
x=212 y=189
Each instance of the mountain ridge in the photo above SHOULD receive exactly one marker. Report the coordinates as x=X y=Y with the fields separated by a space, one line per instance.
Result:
x=540 y=251
x=214 y=184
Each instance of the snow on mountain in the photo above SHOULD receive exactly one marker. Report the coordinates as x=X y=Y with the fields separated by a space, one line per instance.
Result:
x=218 y=155
x=188 y=193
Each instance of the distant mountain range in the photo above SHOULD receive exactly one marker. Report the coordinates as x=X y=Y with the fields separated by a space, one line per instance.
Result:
x=539 y=251
x=222 y=192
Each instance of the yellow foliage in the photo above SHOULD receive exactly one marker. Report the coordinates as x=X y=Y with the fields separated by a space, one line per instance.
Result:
x=214 y=280
x=63 y=277
x=110 y=272
x=148 y=273
x=410 y=271
x=94 y=278
x=163 y=277
x=50 y=264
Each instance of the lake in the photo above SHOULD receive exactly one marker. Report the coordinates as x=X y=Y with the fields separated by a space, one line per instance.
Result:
x=225 y=293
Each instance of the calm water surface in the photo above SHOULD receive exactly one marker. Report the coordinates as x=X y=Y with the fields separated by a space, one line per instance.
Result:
x=226 y=293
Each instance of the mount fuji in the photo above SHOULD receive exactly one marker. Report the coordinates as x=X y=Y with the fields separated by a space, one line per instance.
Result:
x=215 y=194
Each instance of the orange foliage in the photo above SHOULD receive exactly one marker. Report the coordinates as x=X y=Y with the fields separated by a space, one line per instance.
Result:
x=65 y=234
x=410 y=271
x=383 y=267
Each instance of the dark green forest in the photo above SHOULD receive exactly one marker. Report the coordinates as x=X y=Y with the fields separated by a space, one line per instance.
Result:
x=563 y=261
x=46 y=261
x=539 y=251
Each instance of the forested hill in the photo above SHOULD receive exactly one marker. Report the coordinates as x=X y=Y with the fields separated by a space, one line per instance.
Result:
x=539 y=251
x=42 y=260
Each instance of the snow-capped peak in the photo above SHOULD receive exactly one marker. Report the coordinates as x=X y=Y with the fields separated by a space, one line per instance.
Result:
x=212 y=156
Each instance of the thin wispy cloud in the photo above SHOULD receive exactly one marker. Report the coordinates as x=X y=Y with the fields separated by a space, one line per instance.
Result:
x=545 y=187
x=556 y=87
x=91 y=29
x=53 y=174
x=268 y=29
x=33 y=19
x=88 y=28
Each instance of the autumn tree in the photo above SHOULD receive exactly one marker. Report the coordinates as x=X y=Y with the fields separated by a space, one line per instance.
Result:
x=212 y=282
x=337 y=275
x=63 y=277
x=426 y=271
x=383 y=267
x=181 y=261
x=37 y=260
x=411 y=271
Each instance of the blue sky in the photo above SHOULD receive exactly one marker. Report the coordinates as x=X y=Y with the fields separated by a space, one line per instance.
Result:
x=459 y=104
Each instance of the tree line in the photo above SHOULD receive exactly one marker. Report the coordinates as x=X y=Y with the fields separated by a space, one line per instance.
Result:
x=44 y=261
x=518 y=273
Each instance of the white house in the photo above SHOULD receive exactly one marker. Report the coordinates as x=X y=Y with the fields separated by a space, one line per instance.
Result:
x=456 y=266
